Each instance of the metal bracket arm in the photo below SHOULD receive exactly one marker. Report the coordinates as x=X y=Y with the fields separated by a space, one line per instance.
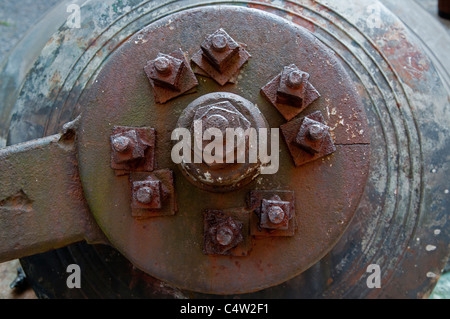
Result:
x=42 y=206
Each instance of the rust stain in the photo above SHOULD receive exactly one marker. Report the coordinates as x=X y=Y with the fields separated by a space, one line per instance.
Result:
x=408 y=61
x=18 y=202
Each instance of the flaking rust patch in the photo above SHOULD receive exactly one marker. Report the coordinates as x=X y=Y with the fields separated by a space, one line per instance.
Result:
x=19 y=202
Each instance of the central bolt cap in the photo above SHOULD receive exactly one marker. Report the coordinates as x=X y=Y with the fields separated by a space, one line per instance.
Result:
x=216 y=121
x=221 y=110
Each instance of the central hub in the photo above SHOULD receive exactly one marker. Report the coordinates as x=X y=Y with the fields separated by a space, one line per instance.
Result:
x=224 y=132
x=200 y=238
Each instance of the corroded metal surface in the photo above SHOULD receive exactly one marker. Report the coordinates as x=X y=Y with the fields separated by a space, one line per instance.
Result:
x=338 y=180
x=403 y=209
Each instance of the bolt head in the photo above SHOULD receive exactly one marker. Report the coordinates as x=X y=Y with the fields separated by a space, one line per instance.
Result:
x=295 y=79
x=291 y=89
x=219 y=42
x=221 y=115
x=177 y=80
x=276 y=215
x=224 y=235
x=121 y=143
x=311 y=135
x=127 y=146
x=163 y=65
x=152 y=194
x=132 y=149
x=316 y=132
x=144 y=195
x=147 y=194
x=165 y=71
x=219 y=49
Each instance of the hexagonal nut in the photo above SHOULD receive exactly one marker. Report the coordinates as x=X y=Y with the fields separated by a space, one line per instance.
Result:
x=147 y=194
x=220 y=115
x=127 y=147
x=234 y=118
x=275 y=214
x=311 y=135
x=219 y=48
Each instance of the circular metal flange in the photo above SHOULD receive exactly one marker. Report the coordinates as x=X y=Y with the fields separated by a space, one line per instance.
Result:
x=384 y=230
x=327 y=191
x=221 y=110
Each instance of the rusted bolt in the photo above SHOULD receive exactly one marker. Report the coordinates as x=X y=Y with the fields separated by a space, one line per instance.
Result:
x=224 y=236
x=219 y=48
x=222 y=233
x=276 y=215
x=152 y=194
x=296 y=78
x=221 y=57
x=132 y=149
x=237 y=164
x=121 y=143
x=311 y=135
x=144 y=195
x=219 y=42
x=126 y=146
x=316 y=132
x=165 y=71
x=163 y=65
x=221 y=115
x=170 y=75
x=308 y=138
x=291 y=88
x=147 y=194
